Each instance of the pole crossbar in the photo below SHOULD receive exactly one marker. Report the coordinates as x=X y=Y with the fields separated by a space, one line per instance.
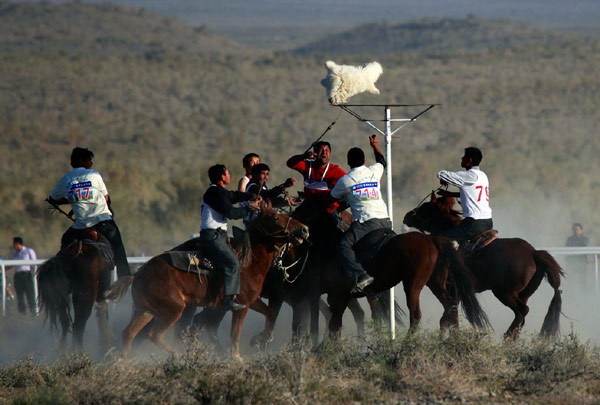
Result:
x=387 y=119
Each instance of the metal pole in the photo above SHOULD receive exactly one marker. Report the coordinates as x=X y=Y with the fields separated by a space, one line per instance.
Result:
x=596 y=271
x=390 y=203
x=36 y=308
x=3 y=289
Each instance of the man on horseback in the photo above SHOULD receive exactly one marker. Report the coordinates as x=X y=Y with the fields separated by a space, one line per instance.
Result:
x=474 y=196
x=360 y=189
x=320 y=176
x=217 y=207
x=84 y=189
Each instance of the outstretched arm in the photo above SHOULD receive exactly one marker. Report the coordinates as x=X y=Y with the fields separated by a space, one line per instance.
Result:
x=294 y=160
x=378 y=155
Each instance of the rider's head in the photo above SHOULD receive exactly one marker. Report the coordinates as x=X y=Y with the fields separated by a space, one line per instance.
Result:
x=249 y=161
x=260 y=173
x=81 y=157
x=323 y=151
x=218 y=173
x=472 y=157
x=356 y=157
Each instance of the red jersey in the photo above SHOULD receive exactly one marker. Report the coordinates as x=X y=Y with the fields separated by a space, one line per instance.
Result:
x=318 y=182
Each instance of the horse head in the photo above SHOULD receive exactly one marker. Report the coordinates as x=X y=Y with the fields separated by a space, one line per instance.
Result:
x=434 y=215
x=279 y=226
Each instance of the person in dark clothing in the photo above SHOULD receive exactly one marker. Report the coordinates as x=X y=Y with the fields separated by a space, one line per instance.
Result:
x=577 y=262
x=217 y=208
x=258 y=185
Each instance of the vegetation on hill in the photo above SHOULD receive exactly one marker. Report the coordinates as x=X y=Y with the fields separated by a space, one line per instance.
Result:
x=157 y=121
x=457 y=367
x=380 y=39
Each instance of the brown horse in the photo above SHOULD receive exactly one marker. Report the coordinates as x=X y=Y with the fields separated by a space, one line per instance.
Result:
x=161 y=292
x=415 y=260
x=82 y=271
x=511 y=268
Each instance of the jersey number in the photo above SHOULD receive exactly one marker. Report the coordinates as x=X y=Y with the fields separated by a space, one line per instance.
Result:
x=366 y=193
x=487 y=193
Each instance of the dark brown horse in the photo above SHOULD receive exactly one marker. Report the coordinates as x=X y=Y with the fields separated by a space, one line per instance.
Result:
x=415 y=260
x=162 y=293
x=82 y=271
x=511 y=268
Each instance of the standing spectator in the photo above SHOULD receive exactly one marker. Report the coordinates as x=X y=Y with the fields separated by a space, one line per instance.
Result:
x=577 y=262
x=23 y=279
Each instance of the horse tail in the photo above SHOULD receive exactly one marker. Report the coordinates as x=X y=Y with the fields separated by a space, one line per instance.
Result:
x=118 y=289
x=54 y=290
x=384 y=302
x=552 y=270
x=463 y=280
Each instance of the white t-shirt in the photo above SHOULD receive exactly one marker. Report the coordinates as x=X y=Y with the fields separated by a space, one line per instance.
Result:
x=85 y=190
x=474 y=191
x=361 y=190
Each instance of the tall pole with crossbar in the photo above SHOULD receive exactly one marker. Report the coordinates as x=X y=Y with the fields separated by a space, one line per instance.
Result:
x=388 y=133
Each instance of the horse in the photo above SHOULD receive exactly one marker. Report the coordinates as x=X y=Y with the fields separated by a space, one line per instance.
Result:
x=415 y=260
x=510 y=267
x=161 y=293
x=81 y=270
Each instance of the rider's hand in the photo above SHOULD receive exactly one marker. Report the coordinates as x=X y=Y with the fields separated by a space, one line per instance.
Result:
x=289 y=182
x=254 y=204
x=310 y=155
x=373 y=140
x=443 y=182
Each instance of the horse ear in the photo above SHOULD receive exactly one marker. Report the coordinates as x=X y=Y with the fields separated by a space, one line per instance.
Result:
x=433 y=197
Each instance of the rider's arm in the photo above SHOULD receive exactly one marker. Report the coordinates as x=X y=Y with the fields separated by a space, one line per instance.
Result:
x=378 y=155
x=458 y=179
x=60 y=201
x=243 y=183
x=219 y=200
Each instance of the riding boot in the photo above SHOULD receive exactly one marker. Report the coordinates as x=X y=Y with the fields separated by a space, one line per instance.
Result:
x=229 y=304
x=361 y=283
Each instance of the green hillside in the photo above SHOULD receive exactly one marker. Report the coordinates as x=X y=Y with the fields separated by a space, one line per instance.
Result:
x=157 y=123
x=471 y=33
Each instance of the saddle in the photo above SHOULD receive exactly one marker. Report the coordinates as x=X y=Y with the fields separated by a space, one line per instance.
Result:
x=73 y=240
x=479 y=241
x=370 y=244
x=194 y=261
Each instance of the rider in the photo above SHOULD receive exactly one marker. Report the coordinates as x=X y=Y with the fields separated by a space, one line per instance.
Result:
x=474 y=196
x=360 y=189
x=248 y=162
x=85 y=190
x=320 y=176
x=217 y=207
x=258 y=185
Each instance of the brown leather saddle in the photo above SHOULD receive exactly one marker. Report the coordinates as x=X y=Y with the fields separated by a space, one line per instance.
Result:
x=480 y=241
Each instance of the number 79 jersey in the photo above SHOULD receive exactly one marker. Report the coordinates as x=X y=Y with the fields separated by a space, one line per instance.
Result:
x=474 y=190
x=361 y=190
x=85 y=190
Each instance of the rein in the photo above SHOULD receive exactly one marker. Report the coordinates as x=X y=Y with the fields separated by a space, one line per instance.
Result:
x=278 y=264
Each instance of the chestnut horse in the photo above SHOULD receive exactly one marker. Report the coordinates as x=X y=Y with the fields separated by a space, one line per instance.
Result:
x=82 y=270
x=161 y=292
x=415 y=260
x=511 y=268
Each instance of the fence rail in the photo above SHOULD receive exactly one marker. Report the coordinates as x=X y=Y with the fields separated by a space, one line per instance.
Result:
x=560 y=251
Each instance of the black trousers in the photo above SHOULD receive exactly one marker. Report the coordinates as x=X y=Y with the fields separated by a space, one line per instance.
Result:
x=111 y=232
x=467 y=229
x=23 y=283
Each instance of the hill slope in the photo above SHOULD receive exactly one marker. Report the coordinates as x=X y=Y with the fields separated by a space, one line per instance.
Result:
x=433 y=34
x=76 y=28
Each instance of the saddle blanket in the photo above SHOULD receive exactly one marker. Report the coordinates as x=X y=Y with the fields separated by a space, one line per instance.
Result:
x=190 y=261
x=370 y=244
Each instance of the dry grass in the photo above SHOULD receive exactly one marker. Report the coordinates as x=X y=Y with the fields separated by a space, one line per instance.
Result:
x=463 y=366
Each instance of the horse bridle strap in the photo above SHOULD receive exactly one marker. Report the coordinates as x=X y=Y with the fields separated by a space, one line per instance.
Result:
x=278 y=263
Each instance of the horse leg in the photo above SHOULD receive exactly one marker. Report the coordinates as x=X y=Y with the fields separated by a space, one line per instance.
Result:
x=324 y=308
x=450 y=316
x=358 y=314
x=65 y=324
x=520 y=310
x=209 y=318
x=337 y=306
x=413 y=292
x=237 y=320
x=103 y=328
x=183 y=324
x=162 y=323
x=270 y=314
x=300 y=315
x=138 y=321
x=83 y=303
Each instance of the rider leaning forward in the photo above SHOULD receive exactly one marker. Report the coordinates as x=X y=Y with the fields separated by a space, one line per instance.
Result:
x=85 y=190
x=217 y=207
x=360 y=188
x=474 y=193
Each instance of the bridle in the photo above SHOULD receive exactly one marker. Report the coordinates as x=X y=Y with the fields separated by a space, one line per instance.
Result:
x=422 y=221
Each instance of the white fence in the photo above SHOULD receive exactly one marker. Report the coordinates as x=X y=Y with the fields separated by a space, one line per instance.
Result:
x=558 y=251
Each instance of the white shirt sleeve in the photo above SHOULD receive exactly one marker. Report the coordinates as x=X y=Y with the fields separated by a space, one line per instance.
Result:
x=100 y=184
x=60 y=190
x=377 y=169
x=339 y=189
x=458 y=179
x=32 y=254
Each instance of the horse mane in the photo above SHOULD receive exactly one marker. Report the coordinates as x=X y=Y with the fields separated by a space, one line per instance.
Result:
x=446 y=205
x=243 y=249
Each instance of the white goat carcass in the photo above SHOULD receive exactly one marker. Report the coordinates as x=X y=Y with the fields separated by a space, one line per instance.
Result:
x=343 y=81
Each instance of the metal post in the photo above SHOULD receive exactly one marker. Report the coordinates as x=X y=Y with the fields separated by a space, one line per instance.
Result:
x=596 y=271
x=36 y=308
x=3 y=289
x=390 y=204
